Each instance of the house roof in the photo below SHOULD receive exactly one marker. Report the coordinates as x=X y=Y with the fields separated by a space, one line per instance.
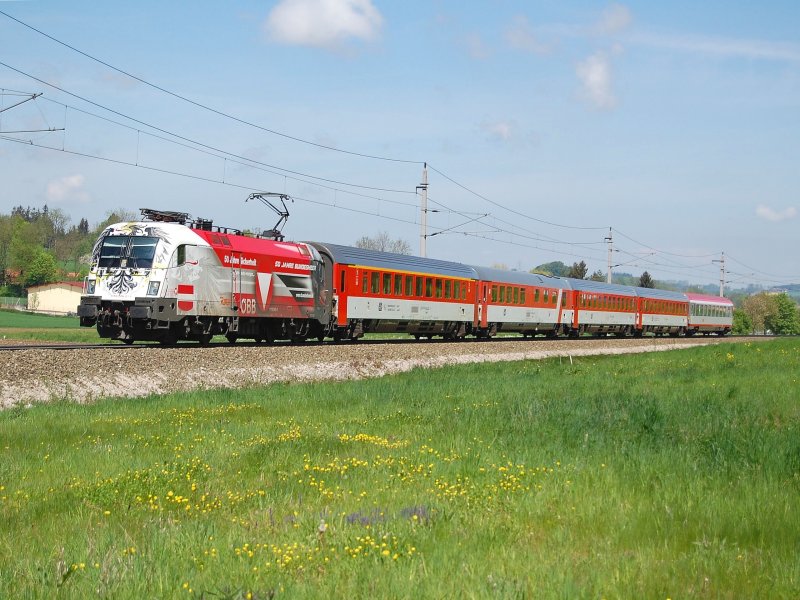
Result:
x=78 y=285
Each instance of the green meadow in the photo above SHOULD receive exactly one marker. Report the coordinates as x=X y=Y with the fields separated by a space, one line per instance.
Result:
x=18 y=325
x=664 y=475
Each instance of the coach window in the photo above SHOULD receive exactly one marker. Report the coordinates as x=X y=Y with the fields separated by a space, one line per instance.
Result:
x=398 y=285
x=546 y=297
x=563 y=299
x=494 y=293
x=456 y=290
x=448 y=289
x=387 y=284
x=341 y=283
x=409 y=285
x=438 y=288
x=365 y=281
x=553 y=298
x=375 y=282
x=522 y=296
x=428 y=287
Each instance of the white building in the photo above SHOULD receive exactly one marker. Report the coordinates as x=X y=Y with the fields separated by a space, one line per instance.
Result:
x=55 y=298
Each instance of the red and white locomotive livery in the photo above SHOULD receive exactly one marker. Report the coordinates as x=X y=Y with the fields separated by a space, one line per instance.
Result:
x=164 y=280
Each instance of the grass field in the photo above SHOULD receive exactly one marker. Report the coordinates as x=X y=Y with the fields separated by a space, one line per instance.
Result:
x=666 y=475
x=18 y=325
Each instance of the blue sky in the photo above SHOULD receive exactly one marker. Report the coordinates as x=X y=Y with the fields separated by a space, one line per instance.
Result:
x=676 y=124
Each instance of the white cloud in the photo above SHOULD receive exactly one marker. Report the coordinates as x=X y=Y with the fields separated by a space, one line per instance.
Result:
x=770 y=214
x=323 y=23
x=520 y=36
x=724 y=47
x=476 y=47
x=615 y=18
x=499 y=130
x=595 y=76
x=67 y=189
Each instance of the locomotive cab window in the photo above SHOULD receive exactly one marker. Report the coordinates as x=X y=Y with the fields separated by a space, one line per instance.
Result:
x=180 y=255
x=128 y=251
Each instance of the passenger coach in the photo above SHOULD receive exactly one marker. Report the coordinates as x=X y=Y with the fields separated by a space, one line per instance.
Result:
x=382 y=292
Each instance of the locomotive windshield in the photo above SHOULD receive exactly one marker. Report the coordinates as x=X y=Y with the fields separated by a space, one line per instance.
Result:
x=128 y=251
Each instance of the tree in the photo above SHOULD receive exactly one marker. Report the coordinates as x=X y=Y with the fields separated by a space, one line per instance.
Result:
x=646 y=281
x=554 y=269
x=43 y=269
x=578 y=270
x=384 y=243
x=759 y=307
x=742 y=325
x=598 y=276
x=784 y=320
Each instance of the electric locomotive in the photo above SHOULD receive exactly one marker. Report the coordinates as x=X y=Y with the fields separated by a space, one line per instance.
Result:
x=167 y=278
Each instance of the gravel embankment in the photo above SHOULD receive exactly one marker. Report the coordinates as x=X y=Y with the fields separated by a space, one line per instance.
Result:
x=28 y=376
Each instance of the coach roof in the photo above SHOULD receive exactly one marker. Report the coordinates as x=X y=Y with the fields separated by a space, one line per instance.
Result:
x=389 y=261
x=519 y=278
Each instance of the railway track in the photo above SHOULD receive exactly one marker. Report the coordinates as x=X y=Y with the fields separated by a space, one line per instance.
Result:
x=190 y=345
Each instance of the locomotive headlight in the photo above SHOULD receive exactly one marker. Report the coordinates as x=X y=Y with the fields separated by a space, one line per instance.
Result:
x=152 y=289
x=90 y=283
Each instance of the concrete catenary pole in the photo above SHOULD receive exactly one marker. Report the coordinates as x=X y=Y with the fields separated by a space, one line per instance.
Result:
x=423 y=220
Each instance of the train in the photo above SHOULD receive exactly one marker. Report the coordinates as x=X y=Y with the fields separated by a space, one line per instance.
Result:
x=168 y=278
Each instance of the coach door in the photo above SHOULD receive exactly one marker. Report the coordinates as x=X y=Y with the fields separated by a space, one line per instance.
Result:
x=483 y=304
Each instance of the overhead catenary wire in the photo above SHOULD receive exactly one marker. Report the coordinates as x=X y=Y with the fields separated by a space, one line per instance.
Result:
x=204 y=106
x=188 y=140
x=284 y=135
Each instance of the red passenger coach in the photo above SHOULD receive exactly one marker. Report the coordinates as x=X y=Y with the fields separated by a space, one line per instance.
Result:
x=603 y=308
x=383 y=292
x=517 y=301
